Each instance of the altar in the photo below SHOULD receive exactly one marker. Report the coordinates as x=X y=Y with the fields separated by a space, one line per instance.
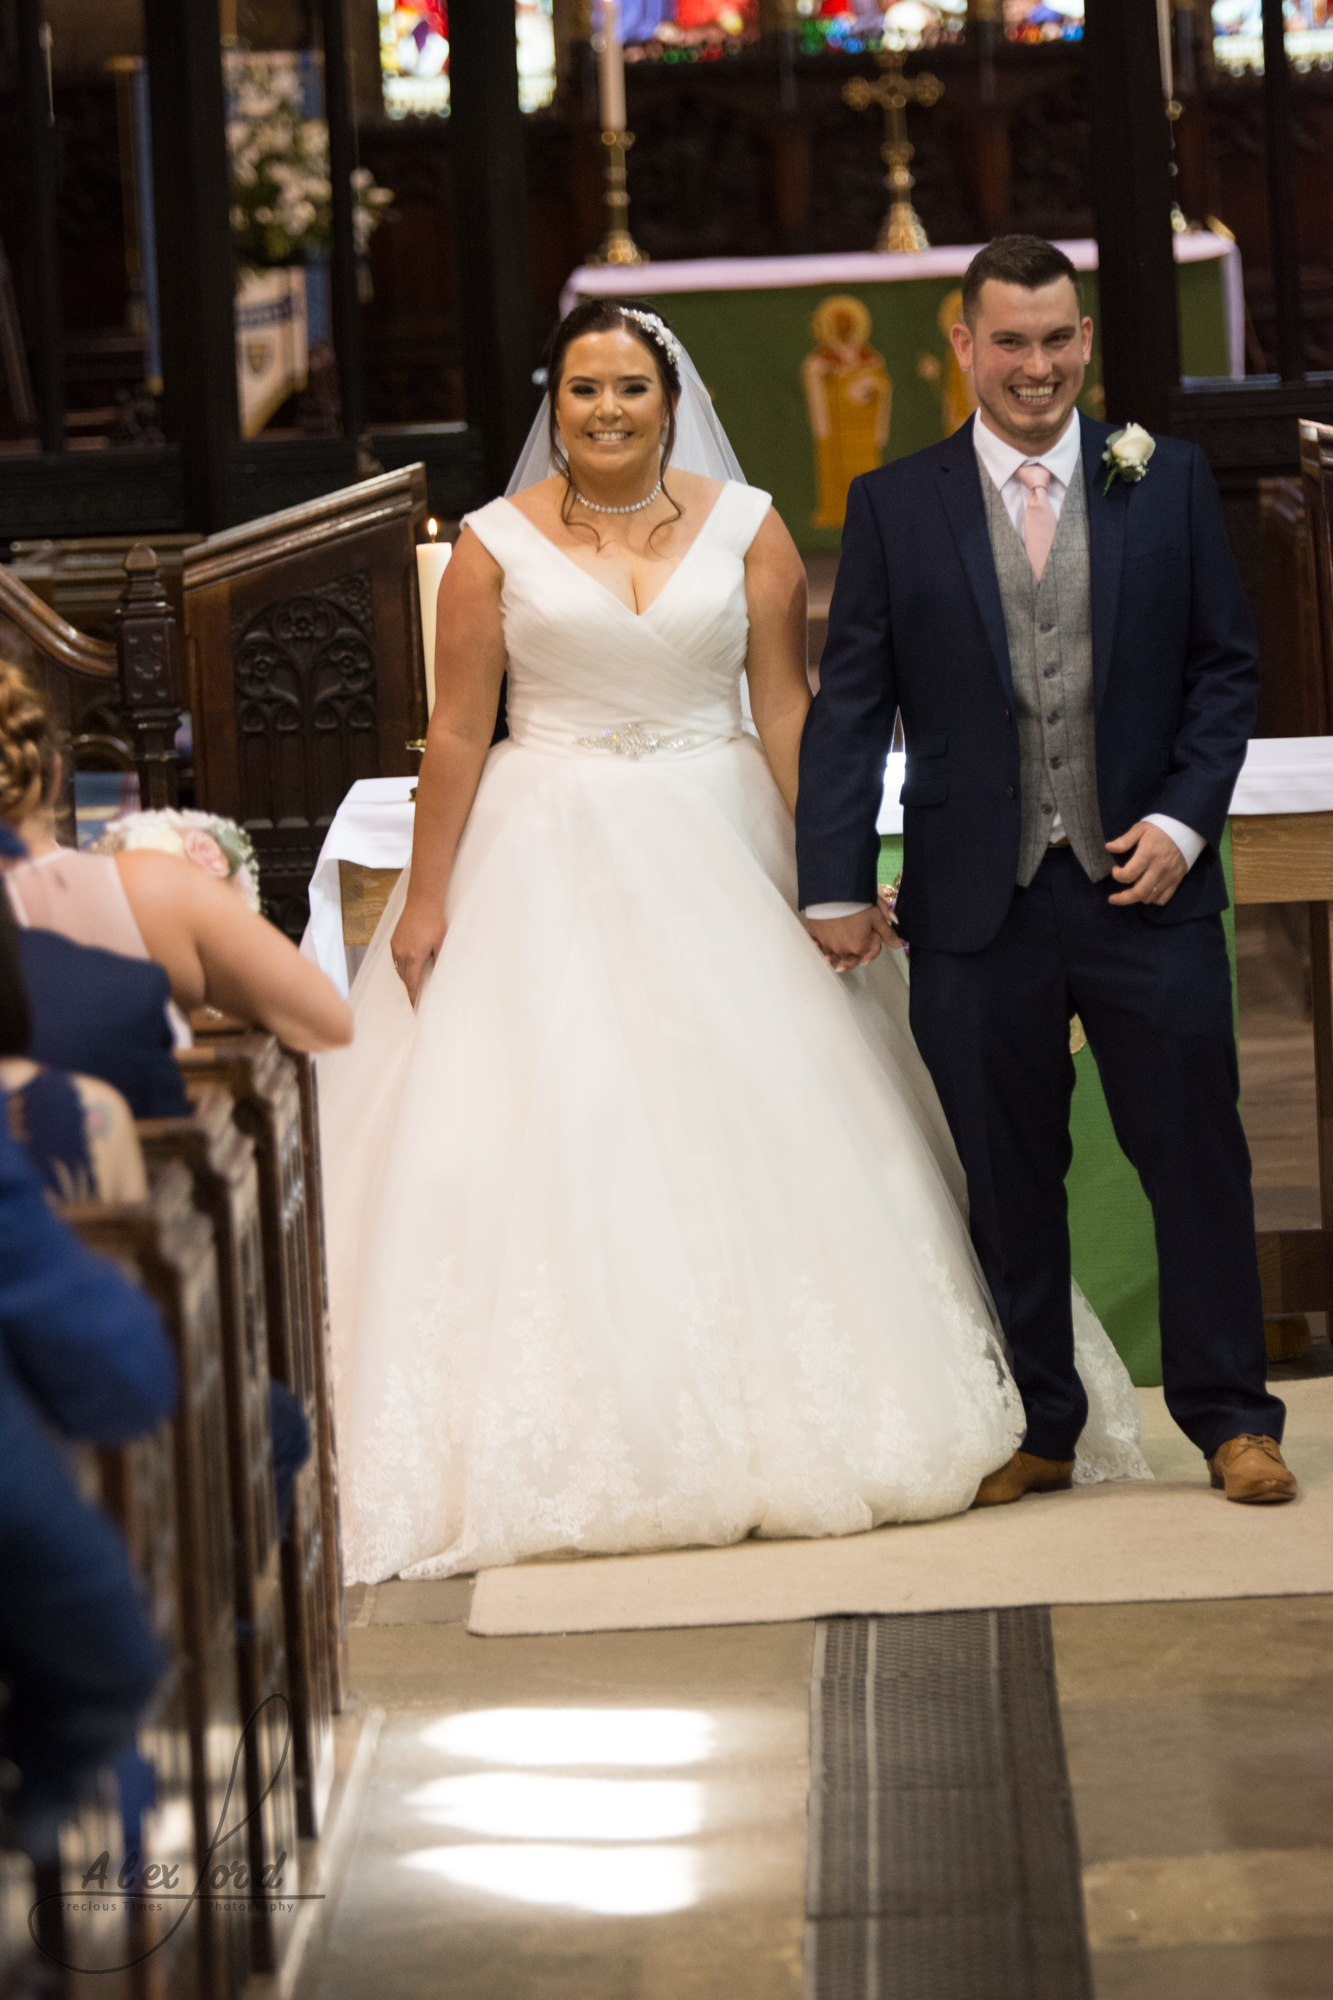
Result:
x=825 y=367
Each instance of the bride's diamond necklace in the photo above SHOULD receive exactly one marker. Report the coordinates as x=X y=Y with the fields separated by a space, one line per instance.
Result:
x=597 y=508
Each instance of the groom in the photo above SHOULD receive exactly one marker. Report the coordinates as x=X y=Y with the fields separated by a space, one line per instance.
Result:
x=1075 y=664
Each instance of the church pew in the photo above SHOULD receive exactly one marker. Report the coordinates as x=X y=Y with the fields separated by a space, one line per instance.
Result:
x=221 y=1163
x=325 y=1438
x=168 y=1245
x=263 y=1085
x=72 y=1907
x=116 y=705
x=137 y=1488
x=305 y=667
x=209 y=1026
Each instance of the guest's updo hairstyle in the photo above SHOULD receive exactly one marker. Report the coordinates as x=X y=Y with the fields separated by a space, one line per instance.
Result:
x=27 y=747
x=607 y=316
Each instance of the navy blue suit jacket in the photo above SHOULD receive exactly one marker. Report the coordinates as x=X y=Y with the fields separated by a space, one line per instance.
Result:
x=917 y=624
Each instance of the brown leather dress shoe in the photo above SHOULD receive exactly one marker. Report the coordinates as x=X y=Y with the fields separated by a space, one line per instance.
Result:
x=1251 y=1469
x=1025 y=1473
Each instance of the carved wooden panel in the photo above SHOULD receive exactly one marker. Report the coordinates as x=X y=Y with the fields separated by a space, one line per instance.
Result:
x=304 y=638
x=306 y=706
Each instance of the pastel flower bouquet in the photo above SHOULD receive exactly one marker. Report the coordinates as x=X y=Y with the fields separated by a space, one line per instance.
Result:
x=217 y=845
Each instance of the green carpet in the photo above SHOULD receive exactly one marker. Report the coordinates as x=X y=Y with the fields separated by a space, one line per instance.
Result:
x=1110 y=1222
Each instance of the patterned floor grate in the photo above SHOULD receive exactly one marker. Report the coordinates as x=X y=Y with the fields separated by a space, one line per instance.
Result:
x=943 y=1858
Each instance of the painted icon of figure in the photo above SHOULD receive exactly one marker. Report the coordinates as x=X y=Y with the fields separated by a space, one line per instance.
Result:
x=954 y=389
x=849 y=398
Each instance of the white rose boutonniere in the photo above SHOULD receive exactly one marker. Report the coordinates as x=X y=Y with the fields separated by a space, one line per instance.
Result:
x=1127 y=454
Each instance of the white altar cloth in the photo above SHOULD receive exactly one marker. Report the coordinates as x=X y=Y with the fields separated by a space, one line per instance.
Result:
x=1286 y=774
x=373 y=825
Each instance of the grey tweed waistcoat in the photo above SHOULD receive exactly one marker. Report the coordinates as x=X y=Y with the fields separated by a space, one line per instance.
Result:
x=1049 y=626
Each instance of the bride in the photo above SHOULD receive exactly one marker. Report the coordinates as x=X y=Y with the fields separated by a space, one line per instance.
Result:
x=645 y=1227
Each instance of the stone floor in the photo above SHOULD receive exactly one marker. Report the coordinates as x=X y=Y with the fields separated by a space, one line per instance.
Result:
x=622 y=1816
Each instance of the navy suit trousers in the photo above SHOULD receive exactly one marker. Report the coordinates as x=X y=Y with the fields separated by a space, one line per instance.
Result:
x=1155 y=1002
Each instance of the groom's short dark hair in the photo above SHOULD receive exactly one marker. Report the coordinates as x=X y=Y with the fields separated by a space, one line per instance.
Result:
x=1029 y=261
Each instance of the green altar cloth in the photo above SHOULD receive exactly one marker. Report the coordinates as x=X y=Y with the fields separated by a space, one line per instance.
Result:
x=749 y=325
x=1110 y=1222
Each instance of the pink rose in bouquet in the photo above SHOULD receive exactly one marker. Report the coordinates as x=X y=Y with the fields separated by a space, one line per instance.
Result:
x=201 y=847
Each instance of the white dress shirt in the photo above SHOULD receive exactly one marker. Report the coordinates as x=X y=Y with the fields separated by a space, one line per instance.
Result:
x=1002 y=461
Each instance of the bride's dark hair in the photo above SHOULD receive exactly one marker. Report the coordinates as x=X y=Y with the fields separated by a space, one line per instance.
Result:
x=608 y=316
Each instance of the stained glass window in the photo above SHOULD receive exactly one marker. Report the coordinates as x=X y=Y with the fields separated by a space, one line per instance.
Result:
x=1043 y=20
x=676 y=31
x=414 y=56
x=905 y=24
x=1238 y=34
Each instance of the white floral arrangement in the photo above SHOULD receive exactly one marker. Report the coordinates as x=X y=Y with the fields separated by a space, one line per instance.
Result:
x=1127 y=454
x=217 y=845
x=281 y=194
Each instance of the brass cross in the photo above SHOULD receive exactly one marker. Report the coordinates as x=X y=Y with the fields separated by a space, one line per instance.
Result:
x=901 y=228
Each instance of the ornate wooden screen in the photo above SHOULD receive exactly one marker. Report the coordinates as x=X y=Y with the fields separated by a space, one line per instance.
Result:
x=303 y=639
x=221 y=1163
x=263 y=1085
x=170 y=1246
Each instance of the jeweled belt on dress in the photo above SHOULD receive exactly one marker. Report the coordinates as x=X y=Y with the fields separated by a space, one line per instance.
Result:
x=634 y=740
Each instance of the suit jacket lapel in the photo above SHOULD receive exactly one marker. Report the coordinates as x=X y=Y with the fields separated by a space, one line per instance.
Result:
x=960 y=478
x=1106 y=549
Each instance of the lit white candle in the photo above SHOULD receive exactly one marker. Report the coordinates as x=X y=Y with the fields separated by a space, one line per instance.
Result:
x=432 y=561
x=611 y=69
x=1164 y=49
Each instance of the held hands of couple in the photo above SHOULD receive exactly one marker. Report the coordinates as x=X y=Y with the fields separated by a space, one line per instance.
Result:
x=416 y=940
x=1153 y=867
x=847 y=942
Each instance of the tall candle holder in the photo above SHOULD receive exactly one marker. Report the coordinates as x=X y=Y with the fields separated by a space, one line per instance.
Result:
x=618 y=246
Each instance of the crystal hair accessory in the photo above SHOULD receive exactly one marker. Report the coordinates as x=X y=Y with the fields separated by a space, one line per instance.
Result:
x=660 y=331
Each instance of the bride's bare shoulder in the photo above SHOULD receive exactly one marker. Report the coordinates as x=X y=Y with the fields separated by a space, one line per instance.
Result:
x=691 y=491
x=541 y=500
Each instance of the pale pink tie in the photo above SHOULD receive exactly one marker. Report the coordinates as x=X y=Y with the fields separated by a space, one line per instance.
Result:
x=1039 y=519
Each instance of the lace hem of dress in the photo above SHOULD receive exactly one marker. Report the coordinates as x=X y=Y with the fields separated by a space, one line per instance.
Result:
x=538 y=1458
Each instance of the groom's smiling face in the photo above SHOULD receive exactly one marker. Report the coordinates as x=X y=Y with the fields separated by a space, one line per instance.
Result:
x=1028 y=352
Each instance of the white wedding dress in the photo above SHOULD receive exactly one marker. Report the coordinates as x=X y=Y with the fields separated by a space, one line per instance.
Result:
x=645 y=1230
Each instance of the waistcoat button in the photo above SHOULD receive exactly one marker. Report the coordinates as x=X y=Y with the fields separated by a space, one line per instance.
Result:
x=1009 y=792
x=1055 y=763
x=1054 y=715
